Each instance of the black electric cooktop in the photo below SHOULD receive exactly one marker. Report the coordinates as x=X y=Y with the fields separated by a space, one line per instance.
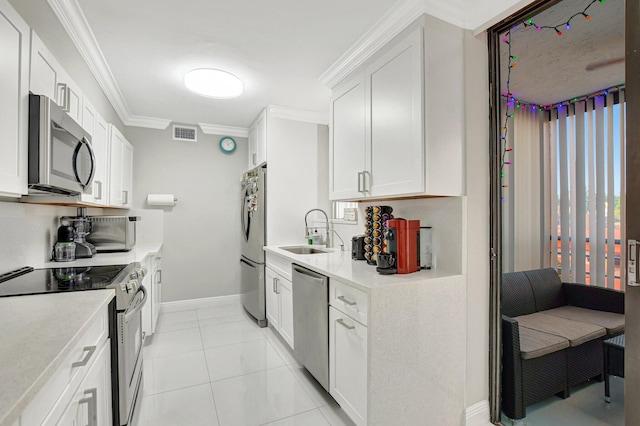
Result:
x=57 y=280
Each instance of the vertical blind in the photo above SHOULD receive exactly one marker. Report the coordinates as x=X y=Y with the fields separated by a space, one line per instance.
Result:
x=584 y=146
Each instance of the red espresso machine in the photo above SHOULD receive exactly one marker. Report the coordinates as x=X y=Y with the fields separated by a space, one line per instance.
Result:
x=403 y=247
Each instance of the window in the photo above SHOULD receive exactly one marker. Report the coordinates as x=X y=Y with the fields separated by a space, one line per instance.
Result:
x=339 y=208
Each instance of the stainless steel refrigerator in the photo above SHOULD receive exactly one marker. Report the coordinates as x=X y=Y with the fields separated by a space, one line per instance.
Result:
x=253 y=238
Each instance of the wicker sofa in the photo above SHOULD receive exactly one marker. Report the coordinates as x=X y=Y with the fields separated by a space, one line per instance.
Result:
x=552 y=335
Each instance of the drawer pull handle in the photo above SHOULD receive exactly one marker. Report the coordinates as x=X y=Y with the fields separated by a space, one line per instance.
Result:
x=344 y=324
x=348 y=302
x=92 y=404
x=89 y=350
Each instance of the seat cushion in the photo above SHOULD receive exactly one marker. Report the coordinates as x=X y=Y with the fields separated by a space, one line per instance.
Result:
x=576 y=332
x=614 y=323
x=534 y=343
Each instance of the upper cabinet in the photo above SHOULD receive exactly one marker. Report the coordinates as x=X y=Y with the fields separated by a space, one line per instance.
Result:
x=98 y=128
x=258 y=141
x=14 y=102
x=50 y=79
x=384 y=144
x=121 y=169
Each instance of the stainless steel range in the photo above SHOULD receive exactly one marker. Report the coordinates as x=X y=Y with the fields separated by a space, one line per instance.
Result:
x=125 y=324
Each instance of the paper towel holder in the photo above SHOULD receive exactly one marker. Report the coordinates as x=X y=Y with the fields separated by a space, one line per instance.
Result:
x=161 y=200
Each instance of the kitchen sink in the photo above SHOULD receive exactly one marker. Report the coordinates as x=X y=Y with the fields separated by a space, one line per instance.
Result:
x=304 y=250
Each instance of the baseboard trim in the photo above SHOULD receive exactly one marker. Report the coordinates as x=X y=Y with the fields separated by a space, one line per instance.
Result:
x=206 y=302
x=478 y=414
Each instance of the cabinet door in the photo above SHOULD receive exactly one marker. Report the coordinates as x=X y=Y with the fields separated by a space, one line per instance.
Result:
x=100 y=141
x=396 y=160
x=45 y=70
x=253 y=147
x=116 y=154
x=261 y=141
x=347 y=148
x=147 y=309
x=272 y=300
x=348 y=365
x=127 y=175
x=73 y=101
x=14 y=102
x=91 y=404
x=157 y=290
x=286 y=310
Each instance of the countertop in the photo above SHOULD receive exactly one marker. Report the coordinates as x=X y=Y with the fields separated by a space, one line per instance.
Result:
x=339 y=265
x=37 y=333
x=137 y=254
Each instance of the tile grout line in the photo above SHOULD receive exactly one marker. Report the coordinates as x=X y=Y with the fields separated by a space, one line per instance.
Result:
x=213 y=396
x=293 y=415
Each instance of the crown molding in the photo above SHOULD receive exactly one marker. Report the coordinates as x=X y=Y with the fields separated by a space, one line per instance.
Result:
x=75 y=23
x=295 y=114
x=214 y=129
x=386 y=29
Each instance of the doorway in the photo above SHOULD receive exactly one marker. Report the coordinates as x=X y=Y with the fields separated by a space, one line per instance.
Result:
x=558 y=99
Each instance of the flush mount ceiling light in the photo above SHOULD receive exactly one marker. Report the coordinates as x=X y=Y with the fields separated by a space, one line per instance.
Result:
x=213 y=83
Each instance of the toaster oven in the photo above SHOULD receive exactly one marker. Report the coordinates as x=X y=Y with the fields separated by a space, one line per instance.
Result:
x=113 y=233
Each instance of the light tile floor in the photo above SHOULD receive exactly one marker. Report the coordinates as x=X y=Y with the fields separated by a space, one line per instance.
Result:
x=215 y=366
x=585 y=407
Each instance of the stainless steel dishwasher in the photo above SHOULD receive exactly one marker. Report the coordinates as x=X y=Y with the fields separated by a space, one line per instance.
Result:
x=311 y=322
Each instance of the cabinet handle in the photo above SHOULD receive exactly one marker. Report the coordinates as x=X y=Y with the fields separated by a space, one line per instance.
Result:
x=125 y=197
x=277 y=283
x=360 y=181
x=348 y=302
x=92 y=404
x=255 y=158
x=364 y=181
x=345 y=325
x=273 y=285
x=159 y=276
x=89 y=350
x=64 y=89
x=98 y=186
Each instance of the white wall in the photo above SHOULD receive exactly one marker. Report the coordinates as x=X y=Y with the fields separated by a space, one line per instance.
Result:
x=202 y=232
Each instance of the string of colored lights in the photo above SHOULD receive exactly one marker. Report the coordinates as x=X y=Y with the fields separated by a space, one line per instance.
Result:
x=513 y=103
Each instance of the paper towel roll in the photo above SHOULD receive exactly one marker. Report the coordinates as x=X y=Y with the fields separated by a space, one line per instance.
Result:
x=161 y=200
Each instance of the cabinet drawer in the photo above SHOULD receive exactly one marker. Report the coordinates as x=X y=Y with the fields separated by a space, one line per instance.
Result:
x=70 y=372
x=279 y=265
x=349 y=300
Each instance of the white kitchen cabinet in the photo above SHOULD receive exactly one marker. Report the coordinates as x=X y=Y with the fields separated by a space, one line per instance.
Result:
x=50 y=79
x=258 y=141
x=14 y=102
x=120 y=169
x=98 y=128
x=153 y=284
x=80 y=386
x=377 y=145
x=348 y=364
x=279 y=299
x=91 y=403
x=348 y=146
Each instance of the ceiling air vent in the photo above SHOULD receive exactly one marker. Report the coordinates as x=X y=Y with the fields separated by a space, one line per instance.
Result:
x=184 y=133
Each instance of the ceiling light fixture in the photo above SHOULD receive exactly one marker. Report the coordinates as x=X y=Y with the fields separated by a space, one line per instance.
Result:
x=213 y=83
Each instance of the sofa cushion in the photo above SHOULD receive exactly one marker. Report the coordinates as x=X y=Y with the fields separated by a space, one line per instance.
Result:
x=576 y=332
x=517 y=296
x=547 y=289
x=614 y=323
x=534 y=343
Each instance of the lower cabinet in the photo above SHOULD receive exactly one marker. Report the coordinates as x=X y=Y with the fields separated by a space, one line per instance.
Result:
x=279 y=299
x=153 y=284
x=79 y=390
x=348 y=364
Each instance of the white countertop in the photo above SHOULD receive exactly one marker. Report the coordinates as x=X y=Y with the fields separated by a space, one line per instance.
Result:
x=339 y=265
x=36 y=334
x=137 y=254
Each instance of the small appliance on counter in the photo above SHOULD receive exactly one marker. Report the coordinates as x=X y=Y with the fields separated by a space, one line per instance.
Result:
x=376 y=218
x=402 y=255
x=113 y=233
x=82 y=227
x=65 y=248
x=357 y=247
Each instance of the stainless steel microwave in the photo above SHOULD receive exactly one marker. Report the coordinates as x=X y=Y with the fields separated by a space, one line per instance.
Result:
x=61 y=159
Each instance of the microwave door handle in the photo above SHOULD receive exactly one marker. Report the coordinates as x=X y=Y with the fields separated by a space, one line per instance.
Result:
x=76 y=152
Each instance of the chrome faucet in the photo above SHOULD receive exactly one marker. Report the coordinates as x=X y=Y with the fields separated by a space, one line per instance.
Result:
x=326 y=221
x=341 y=240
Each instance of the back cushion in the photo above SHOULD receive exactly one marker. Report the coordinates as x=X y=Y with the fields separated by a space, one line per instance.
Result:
x=517 y=296
x=547 y=289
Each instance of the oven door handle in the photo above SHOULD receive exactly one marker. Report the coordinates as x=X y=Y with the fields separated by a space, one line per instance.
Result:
x=131 y=312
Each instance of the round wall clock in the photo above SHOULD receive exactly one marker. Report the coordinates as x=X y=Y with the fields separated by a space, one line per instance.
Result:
x=227 y=145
